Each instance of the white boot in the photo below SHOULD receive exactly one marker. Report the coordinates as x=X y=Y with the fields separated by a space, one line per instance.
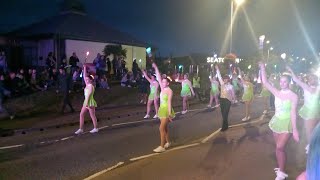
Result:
x=307 y=149
x=280 y=175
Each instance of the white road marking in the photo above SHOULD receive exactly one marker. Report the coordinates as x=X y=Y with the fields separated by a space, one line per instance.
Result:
x=144 y=156
x=10 y=147
x=192 y=110
x=183 y=147
x=173 y=149
x=104 y=171
x=210 y=136
x=65 y=138
x=103 y=127
x=236 y=125
x=249 y=122
x=132 y=122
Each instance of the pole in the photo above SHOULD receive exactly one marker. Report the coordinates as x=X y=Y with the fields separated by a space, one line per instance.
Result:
x=268 y=55
x=231 y=26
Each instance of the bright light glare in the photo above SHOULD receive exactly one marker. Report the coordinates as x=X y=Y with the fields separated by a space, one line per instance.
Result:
x=87 y=53
x=239 y=2
x=271 y=48
x=261 y=38
x=249 y=67
x=318 y=72
x=268 y=42
x=283 y=55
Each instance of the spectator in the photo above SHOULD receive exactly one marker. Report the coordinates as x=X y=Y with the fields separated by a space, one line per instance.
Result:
x=143 y=89
x=34 y=81
x=109 y=66
x=96 y=60
x=125 y=81
x=102 y=66
x=12 y=84
x=51 y=61
x=64 y=85
x=73 y=62
x=53 y=78
x=103 y=83
x=135 y=68
x=76 y=75
x=116 y=68
x=63 y=62
x=4 y=93
x=23 y=85
x=28 y=75
x=44 y=79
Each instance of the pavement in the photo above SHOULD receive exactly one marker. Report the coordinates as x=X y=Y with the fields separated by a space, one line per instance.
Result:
x=59 y=154
x=244 y=152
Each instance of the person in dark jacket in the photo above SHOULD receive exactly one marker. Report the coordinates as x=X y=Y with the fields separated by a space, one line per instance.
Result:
x=3 y=94
x=64 y=84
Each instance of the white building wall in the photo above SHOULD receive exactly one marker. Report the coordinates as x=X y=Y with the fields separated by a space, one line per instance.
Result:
x=82 y=47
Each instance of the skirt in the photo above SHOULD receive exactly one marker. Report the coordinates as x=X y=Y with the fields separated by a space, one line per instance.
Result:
x=247 y=97
x=281 y=124
x=185 y=93
x=308 y=113
x=164 y=113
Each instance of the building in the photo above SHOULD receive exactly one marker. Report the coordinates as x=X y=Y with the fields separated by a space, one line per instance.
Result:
x=66 y=33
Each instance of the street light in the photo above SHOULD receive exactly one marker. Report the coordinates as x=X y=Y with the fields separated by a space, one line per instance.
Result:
x=238 y=3
x=261 y=41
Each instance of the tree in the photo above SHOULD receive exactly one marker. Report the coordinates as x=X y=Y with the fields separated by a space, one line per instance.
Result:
x=115 y=50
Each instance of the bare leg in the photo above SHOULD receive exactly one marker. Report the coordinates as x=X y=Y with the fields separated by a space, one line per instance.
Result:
x=156 y=106
x=92 y=111
x=302 y=176
x=184 y=103
x=162 y=129
x=216 y=99
x=82 y=113
x=187 y=102
x=247 y=103
x=310 y=125
x=249 y=108
x=167 y=134
x=211 y=100
x=281 y=142
x=149 y=106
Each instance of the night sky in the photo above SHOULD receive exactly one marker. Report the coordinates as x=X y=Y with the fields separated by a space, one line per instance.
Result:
x=182 y=27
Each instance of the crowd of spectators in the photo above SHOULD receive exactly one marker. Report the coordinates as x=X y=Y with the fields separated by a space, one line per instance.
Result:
x=25 y=81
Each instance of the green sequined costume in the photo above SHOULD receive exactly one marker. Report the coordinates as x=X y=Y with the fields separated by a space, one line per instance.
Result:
x=265 y=92
x=163 y=109
x=153 y=94
x=311 y=107
x=91 y=101
x=281 y=121
x=185 y=91
x=248 y=92
x=214 y=89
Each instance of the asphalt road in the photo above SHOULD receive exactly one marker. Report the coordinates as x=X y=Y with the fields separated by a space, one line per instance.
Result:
x=58 y=154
